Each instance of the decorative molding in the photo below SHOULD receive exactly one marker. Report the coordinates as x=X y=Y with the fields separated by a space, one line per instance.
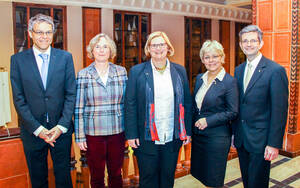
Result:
x=254 y=12
x=294 y=72
x=191 y=8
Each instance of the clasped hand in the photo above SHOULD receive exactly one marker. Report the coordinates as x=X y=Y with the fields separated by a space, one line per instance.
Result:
x=50 y=136
x=201 y=123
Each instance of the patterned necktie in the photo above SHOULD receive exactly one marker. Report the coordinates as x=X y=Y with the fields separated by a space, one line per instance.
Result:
x=44 y=70
x=248 y=76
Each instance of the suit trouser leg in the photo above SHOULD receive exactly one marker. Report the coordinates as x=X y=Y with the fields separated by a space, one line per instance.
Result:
x=36 y=157
x=254 y=168
x=167 y=167
x=157 y=170
x=61 y=156
x=148 y=168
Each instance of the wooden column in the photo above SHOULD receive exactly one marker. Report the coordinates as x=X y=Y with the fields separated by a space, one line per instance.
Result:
x=279 y=20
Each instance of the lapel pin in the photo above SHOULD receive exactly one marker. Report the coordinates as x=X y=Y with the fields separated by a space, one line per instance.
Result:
x=259 y=70
x=146 y=73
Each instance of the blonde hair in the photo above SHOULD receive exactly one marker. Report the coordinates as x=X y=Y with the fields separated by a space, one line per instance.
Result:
x=210 y=46
x=95 y=40
x=155 y=35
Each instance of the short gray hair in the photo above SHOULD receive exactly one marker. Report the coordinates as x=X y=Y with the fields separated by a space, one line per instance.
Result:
x=252 y=28
x=95 y=40
x=38 y=19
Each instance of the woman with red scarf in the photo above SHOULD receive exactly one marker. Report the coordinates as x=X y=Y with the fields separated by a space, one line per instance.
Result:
x=157 y=113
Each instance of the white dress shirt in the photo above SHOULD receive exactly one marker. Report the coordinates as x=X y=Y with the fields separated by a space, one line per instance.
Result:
x=39 y=62
x=205 y=86
x=163 y=104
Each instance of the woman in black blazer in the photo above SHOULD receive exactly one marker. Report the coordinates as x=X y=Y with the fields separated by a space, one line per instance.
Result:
x=215 y=103
x=157 y=113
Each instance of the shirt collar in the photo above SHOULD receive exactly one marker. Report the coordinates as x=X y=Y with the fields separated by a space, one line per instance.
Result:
x=37 y=52
x=255 y=61
x=220 y=76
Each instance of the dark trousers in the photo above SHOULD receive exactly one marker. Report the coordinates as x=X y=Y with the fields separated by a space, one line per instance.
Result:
x=254 y=168
x=36 y=157
x=109 y=150
x=157 y=170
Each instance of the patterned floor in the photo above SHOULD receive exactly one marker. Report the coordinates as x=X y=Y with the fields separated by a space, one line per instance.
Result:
x=285 y=173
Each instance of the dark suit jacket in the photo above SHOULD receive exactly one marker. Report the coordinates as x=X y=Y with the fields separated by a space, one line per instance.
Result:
x=135 y=104
x=33 y=102
x=219 y=106
x=263 y=107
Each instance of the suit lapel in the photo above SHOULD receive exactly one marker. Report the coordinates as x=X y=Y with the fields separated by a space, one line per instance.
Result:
x=174 y=75
x=31 y=58
x=52 y=64
x=149 y=75
x=256 y=75
x=241 y=77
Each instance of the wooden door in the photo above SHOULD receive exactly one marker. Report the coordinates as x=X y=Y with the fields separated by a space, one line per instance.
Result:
x=91 y=20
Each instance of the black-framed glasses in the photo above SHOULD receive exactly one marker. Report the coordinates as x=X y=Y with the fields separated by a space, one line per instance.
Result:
x=160 y=45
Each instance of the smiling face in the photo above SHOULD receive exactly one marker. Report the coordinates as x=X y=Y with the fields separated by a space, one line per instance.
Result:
x=250 y=44
x=212 y=61
x=158 y=49
x=101 y=51
x=42 y=35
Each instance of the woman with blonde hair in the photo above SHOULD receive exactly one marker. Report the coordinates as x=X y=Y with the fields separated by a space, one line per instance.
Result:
x=157 y=113
x=99 y=112
x=215 y=103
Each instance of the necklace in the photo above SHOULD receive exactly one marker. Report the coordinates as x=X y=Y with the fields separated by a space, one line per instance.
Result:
x=161 y=70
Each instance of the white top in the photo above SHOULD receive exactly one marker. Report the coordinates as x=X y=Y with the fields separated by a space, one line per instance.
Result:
x=254 y=64
x=104 y=77
x=39 y=60
x=163 y=104
x=205 y=86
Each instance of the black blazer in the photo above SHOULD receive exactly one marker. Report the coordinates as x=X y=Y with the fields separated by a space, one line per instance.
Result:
x=219 y=106
x=33 y=102
x=263 y=107
x=135 y=104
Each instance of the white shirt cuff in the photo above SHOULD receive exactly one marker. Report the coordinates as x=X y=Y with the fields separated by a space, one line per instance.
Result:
x=63 y=129
x=38 y=130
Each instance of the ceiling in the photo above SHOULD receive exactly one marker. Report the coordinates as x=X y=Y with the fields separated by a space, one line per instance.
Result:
x=237 y=3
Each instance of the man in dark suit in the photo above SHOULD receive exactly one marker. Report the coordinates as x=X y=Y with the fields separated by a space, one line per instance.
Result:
x=44 y=89
x=259 y=130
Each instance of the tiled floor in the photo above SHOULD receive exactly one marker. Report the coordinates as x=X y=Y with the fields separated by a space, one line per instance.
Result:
x=285 y=173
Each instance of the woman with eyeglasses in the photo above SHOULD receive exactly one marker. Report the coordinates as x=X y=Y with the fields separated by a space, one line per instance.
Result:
x=157 y=113
x=215 y=104
x=99 y=112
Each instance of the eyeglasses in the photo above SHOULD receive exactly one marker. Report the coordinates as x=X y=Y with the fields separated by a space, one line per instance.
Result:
x=41 y=33
x=161 y=45
x=208 y=58
x=252 y=41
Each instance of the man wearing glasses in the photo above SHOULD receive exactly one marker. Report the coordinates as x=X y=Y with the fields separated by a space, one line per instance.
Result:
x=259 y=130
x=44 y=89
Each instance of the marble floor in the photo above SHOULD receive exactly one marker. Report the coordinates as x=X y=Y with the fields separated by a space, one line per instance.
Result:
x=285 y=173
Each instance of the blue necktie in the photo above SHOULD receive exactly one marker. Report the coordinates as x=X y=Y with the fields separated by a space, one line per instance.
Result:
x=44 y=70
